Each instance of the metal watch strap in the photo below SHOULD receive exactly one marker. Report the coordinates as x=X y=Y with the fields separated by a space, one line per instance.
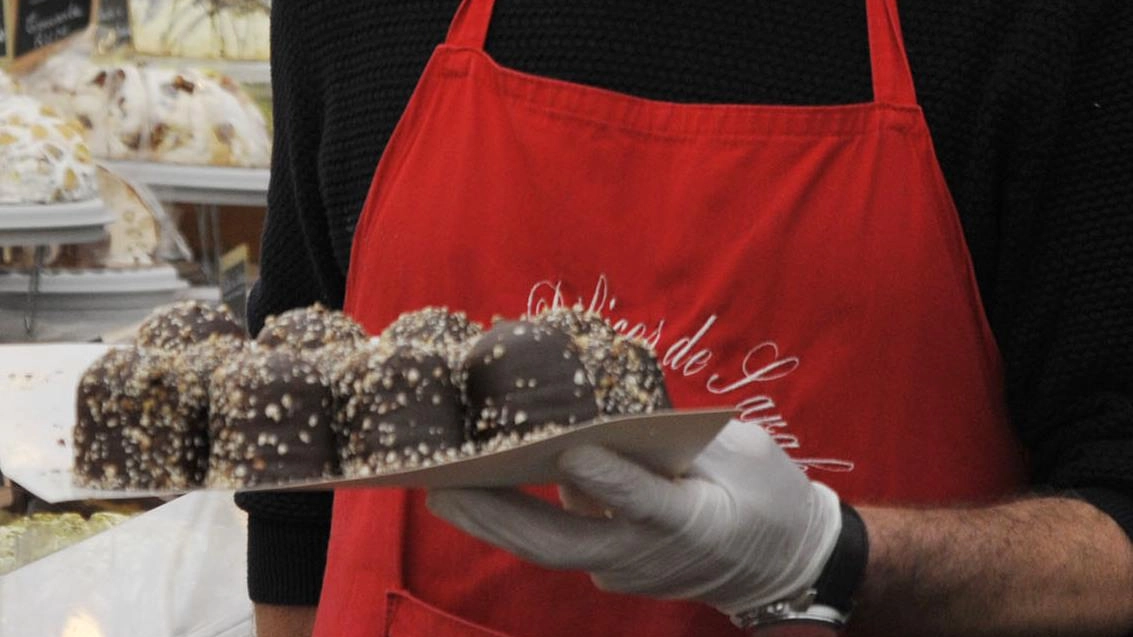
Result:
x=825 y=608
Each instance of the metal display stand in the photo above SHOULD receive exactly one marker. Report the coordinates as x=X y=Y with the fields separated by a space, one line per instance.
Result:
x=243 y=71
x=43 y=225
x=206 y=188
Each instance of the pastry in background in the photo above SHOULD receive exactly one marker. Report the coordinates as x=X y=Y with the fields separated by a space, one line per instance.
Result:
x=199 y=118
x=132 y=238
x=43 y=158
x=178 y=326
x=217 y=29
x=7 y=85
x=139 y=112
x=108 y=100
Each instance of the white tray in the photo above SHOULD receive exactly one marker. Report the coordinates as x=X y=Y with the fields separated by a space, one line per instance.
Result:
x=95 y=289
x=44 y=224
x=41 y=380
x=186 y=183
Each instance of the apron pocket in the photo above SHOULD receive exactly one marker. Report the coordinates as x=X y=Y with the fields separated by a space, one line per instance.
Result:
x=407 y=616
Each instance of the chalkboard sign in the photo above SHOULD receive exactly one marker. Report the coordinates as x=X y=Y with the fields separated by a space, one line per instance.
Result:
x=40 y=23
x=234 y=281
x=3 y=33
x=114 y=21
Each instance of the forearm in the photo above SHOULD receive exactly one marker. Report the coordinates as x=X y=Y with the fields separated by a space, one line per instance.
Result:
x=1042 y=566
x=284 y=621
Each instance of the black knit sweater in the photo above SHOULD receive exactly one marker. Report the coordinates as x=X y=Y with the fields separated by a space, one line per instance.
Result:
x=1030 y=104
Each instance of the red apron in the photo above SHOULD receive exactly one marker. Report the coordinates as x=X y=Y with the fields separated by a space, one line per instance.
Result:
x=804 y=264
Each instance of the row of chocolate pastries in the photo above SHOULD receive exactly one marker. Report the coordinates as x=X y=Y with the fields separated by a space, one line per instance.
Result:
x=193 y=402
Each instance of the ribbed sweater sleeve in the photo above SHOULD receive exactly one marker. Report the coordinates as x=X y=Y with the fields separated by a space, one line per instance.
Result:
x=288 y=532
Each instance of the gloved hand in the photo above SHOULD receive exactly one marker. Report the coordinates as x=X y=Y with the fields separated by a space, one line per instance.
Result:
x=744 y=528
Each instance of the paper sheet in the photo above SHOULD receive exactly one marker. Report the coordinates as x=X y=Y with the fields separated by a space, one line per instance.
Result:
x=175 y=571
x=37 y=412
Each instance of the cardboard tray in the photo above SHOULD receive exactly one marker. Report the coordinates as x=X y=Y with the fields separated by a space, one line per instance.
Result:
x=666 y=442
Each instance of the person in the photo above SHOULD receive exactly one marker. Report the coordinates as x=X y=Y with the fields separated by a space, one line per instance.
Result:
x=907 y=265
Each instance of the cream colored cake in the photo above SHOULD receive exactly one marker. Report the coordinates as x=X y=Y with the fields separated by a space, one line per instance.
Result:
x=147 y=113
x=7 y=85
x=108 y=100
x=131 y=241
x=133 y=237
x=43 y=158
x=224 y=29
x=195 y=118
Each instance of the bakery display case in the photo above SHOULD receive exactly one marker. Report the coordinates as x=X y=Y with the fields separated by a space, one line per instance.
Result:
x=172 y=100
x=204 y=29
x=142 y=112
x=74 y=563
x=122 y=156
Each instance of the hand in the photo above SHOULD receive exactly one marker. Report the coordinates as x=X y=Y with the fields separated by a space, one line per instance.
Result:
x=744 y=528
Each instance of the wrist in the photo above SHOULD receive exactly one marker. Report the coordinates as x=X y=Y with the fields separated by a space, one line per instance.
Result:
x=794 y=629
x=823 y=609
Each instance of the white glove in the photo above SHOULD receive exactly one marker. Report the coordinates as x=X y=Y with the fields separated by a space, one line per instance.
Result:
x=744 y=528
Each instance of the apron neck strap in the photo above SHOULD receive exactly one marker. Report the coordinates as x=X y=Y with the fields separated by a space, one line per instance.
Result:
x=469 y=28
x=892 y=78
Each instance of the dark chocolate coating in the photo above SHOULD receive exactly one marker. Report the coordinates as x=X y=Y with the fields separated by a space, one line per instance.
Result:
x=310 y=328
x=206 y=357
x=432 y=325
x=140 y=422
x=633 y=380
x=271 y=413
x=579 y=323
x=436 y=330
x=179 y=325
x=627 y=376
x=396 y=407
x=521 y=375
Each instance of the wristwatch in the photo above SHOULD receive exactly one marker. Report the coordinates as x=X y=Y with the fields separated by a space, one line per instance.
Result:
x=825 y=608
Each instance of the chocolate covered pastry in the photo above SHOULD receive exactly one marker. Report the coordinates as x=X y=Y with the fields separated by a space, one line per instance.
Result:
x=396 y=408
x=140 y=422
x=226 y=29
x=627 y=376
x=270 y=420
x=131 y=110
x=521 y=375
x=632 y=380
x=179 y=325
x=435 y=329
x=310 y=328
